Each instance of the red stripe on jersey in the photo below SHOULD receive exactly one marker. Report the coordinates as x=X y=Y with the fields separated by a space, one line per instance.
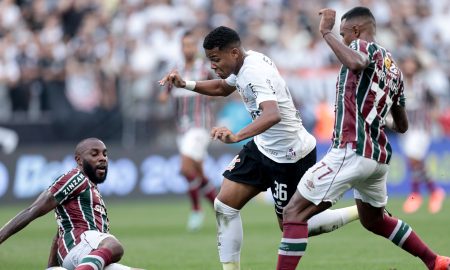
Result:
x=350 y=109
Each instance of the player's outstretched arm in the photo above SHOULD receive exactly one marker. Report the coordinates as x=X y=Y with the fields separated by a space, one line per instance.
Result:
x=41 y=206
x=350 y=58
x=53 y=258
x=209 y=87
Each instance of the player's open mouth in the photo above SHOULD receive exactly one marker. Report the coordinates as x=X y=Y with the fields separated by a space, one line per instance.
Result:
x=101 y=168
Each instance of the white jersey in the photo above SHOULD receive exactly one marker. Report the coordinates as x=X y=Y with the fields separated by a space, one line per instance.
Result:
x=258 y=80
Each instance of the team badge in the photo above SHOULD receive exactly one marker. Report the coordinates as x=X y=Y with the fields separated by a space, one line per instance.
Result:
x=233 y=163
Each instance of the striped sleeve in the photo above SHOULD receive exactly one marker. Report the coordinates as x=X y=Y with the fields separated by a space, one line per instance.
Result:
x=68 y=185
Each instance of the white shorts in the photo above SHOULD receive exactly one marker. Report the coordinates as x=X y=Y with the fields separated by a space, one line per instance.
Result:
x=341 y=170
x=89 y=241
x=194 y=143
x=415 y=143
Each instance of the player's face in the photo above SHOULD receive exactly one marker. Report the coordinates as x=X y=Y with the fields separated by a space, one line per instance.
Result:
x=347 y=32
x=95 y=162
x=224 y=61
x=189 y=47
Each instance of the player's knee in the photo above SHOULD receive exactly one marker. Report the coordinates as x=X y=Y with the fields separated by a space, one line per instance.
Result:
x=224 y=209
x=292 y=212
x=115 y=247
x=372 y=225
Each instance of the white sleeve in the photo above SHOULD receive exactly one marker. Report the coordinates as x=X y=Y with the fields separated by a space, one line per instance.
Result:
x=231 y=80
x=260 y=85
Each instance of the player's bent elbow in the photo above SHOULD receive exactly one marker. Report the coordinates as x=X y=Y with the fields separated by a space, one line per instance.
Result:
x=402 y=128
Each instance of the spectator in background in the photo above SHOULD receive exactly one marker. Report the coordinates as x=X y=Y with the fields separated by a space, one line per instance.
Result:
x=421 y=110
x=194 y=120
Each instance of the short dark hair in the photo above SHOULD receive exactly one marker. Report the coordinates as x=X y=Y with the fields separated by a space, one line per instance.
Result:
x=221 y=37
x=356 y=12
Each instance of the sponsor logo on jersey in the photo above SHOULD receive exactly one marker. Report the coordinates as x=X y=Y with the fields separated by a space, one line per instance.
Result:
x=73 y=184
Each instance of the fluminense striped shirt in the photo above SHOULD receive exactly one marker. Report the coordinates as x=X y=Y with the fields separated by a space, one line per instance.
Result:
x=80 y=208
x=193 y=109
x=364 y=99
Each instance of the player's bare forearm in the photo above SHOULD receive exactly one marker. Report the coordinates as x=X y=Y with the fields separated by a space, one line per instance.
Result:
x=209 y=87
x=53 y=258
x=350 y=58
x=216 y=87
x=43 y=204
x=399 y=120
x=270 y=116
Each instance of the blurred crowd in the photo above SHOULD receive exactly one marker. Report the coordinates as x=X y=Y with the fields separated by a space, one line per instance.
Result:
x=94 y=64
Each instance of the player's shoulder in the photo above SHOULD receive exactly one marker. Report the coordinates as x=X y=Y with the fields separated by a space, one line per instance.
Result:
x=254 y=65
x=73 y=174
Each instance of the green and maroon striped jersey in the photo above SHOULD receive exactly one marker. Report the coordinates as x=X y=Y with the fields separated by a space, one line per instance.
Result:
x=192 y=109
x=80 y=208
x=364 y=99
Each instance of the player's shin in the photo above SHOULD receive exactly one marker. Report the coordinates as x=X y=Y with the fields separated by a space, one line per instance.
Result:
x=293 y=245
x=331 y=219
x=229 y=235
x=402 y=235
x=96 y=260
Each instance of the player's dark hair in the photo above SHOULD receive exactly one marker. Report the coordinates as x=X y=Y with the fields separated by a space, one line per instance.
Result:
x=221 y=37
x=358 y=12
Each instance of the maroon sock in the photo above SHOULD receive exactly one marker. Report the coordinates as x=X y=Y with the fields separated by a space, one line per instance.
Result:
x=92 y=262
x=415 y=187
x=209 y=190
x=431 y=186
x=194 y=191
x=293 y=245
x=403 y=236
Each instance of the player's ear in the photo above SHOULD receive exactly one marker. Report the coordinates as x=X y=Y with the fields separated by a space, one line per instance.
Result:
x=356 y=31
x=235 y=52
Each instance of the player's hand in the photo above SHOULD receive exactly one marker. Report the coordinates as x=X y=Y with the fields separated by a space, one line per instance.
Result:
x=327 y=20
x=173 y=79
x=223 y=134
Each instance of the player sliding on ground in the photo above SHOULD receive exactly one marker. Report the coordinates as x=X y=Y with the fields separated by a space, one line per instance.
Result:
x=280 y=152
x=369 y=85
x=83 y=241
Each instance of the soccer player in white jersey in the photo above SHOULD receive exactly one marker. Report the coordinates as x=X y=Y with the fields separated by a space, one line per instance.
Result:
x=280 y=152
x=83 y=241
x=193 y=117
x=369 y=85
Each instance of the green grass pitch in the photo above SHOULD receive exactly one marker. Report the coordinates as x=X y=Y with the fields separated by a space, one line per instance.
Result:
x=154 y=235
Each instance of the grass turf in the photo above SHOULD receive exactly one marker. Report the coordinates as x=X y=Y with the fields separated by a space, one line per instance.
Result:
x=155 y=237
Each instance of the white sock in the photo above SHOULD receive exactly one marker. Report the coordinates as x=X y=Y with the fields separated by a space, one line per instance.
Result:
x=117 y=266
x=331 y=219
x=229 y=235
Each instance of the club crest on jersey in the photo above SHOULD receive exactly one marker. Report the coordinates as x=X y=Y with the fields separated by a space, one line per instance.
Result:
x=233 y=163
x=290 y=154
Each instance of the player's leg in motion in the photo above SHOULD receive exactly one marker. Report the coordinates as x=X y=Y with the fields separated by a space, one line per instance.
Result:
x=108 y=251
x=400 y=233
x=189 y=169
x=231 y=198
x=331 y=219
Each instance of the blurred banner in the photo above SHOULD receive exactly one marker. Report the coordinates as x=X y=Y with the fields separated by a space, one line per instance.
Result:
x=150 y=172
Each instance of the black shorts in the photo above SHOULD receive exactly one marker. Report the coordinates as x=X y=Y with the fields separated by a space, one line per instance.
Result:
x=253 y=168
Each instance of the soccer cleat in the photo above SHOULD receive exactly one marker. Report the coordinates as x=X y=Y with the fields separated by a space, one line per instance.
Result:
x=195 y=221
x=442 y=263
x=412 y=203
x=436 y=199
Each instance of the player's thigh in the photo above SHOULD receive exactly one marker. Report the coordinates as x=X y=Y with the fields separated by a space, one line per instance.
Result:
x=285 y=178
x=373 y=190
x=194 y=143
x=236 y=194
x=332 y=176
x=90 y=240
x=244 y=177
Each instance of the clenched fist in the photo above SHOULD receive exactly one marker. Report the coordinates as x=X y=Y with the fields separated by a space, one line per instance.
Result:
x=327 y=20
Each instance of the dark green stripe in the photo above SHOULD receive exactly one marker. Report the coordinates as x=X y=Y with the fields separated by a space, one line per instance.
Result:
x=95 y=261
x=86 y=208
x=400 y=233
x=340 y=105
x=67 y=225
x=293 y=246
